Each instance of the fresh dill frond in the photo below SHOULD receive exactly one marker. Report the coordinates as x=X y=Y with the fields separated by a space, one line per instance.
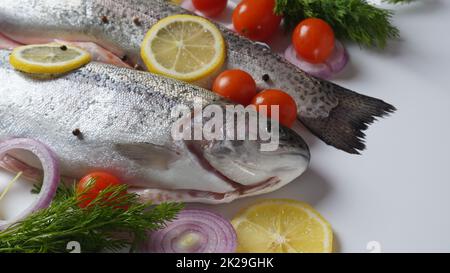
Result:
x=63 y=192
x=354 y=20
x=103 y=226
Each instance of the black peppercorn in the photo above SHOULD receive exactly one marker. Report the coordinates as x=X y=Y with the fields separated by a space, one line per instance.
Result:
x=136 y=21
x=104 y=19
x=76 y=132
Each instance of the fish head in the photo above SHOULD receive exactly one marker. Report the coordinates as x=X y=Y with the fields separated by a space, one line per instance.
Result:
x=254 y=163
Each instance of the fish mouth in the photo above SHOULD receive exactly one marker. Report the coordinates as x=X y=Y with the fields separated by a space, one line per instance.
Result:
x=240 y=189
x=157 y=196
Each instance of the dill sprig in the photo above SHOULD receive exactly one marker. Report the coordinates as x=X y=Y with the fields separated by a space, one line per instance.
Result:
x=354 y=20
x=103 y=226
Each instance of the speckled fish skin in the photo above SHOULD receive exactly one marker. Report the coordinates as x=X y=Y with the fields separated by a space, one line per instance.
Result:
x=336 y=115
x=110 y=23
x=125 y=121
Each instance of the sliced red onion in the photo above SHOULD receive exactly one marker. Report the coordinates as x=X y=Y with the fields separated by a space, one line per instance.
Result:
x=50 y=167
x=333 y=65
x=338 y=59
x=319 y=70
x=194 y=231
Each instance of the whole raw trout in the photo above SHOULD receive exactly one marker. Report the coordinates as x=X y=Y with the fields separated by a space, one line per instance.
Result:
x=124 y=123
x=333 y=113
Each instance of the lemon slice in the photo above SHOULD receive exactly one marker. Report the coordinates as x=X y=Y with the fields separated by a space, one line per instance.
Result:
x=281 y=226
x=48 y=58
x=183 y=47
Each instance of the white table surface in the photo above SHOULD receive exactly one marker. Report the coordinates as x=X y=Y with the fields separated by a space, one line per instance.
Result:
x=398 y=192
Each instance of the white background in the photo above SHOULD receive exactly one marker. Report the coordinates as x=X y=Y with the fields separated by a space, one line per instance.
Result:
x=398 y=191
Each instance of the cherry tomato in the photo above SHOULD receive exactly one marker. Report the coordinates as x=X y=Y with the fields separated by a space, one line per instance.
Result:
x=91 y=185
x=313 y=40
x=210 y=8
x=287 y=105
x=256 y=19
x=236 y=85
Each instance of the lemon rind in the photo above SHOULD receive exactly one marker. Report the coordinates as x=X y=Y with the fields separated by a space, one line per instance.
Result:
x=32 y=67
x=241 y=216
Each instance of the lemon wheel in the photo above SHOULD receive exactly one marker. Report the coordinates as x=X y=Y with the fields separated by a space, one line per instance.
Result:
x=183 y=47
x=48 y=58
x=281 y=225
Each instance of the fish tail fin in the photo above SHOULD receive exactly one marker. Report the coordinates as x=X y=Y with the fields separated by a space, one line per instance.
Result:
x=344 y=127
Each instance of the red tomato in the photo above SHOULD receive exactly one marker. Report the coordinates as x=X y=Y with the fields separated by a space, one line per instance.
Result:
x=287 y=105
x=236 y=85
x=210 y=8
x=256 y=19
x=91 y=185
x=313 y=40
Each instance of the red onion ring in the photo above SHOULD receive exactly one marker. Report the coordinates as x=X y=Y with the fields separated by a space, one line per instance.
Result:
x=335 y=64
x=50 y=167
x=194 y=231
x=338 y=59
